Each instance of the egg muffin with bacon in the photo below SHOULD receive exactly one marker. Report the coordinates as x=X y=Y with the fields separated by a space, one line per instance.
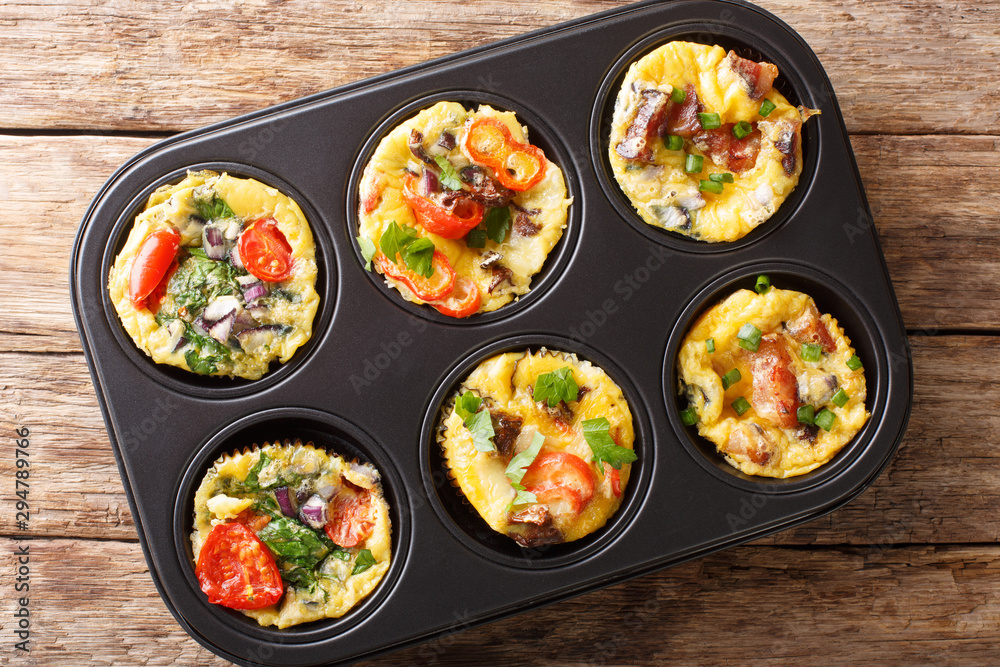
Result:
x=541 y=444
x=774 y=384
x=458 y=210
x=217 y=276
x=290 y=533
x=702 y=144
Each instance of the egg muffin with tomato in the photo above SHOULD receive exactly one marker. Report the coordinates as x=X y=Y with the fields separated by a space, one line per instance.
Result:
x=290 y=533
x=217 y=276
x=702 y=144
x=774 y=384
x=541 y=444
x=458 y=210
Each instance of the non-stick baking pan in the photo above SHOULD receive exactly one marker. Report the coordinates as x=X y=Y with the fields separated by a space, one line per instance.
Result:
x=615 y=291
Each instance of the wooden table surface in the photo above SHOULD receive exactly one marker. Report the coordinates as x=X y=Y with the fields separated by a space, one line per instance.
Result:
x=907 y=572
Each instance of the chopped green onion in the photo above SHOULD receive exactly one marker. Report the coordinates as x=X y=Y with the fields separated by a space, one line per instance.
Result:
x=677 y=95
x=810 y=352
x=742 y=129
x=763 y=285
x=710 y=186
x=689 y=417
x=710 y=345
x=841 y=398
x=692 y=164
x=731 y=378
x=741 y=405
x=854 y=363
x=710 y=121
x=766 y=108
x=806 y=414
x=749 y=337
x=824 y=419
x=722 y=177
x=673 y=142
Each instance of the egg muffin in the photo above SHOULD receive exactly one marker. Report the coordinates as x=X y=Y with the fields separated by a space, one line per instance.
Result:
x=457 y=209
x=541 y=444
x=217 y=276
x=775 y=385
x=290 y=533
x=701 y=142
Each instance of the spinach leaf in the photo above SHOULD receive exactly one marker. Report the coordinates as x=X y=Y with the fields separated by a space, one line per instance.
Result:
x=296 y=549
x=214 y=208
x=364 y=561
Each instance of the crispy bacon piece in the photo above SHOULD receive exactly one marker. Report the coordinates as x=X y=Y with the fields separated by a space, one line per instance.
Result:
x=645 y=127
x=775 y=388
x=787 y=144
x=523 y=226
x=758 y=77
x=683 y=118
x=538 y=531
x=727 y=151
x=809 y=328
x=508 y=427
x=500 y=274
x=484 y=189
x=416 y=145
x=752 y=442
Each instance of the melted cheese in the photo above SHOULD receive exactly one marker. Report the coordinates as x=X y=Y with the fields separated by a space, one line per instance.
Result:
x=173 y=205
x=505 y=382
x=656 y=188
x=524 y=255
x=701 y=373
x=338 y=591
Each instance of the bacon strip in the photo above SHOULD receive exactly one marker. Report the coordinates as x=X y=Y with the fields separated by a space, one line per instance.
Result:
x=775 y=388
x=645 y=127
x=758 y=77
x=727 y=151
x=787 y=144
x=683 y=118
x=809 y=328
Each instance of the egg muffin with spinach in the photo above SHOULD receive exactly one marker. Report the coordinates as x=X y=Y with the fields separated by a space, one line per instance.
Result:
x=217 y=276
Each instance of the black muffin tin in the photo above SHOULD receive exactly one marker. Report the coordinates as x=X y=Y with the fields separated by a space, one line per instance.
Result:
x=371 y=382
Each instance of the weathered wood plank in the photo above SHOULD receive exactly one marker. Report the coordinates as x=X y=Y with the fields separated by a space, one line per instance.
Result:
x=942 y=487
x=760 y=605
x=941 y=247
x=134 y=66
x=40 y=212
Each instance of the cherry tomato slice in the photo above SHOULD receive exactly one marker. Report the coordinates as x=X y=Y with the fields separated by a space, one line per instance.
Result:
x=439 y=285
x=352 y=518
x=236 y=570
x=265 y=251
x=517 y=166
x=449 y=223
x=463 y=301
x=155 y=256
x=560 y=476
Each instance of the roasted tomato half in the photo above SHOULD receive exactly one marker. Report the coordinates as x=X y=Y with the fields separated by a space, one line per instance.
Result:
x=236 y=570
x=155 y=257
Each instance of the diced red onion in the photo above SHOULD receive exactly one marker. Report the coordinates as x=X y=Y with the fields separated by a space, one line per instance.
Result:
x=234 y=258
x=313 y=512
x=245 y=320
x=428 y=183
x=284 y=501
x=220 y=330
x=213 y=242
x=251 y=339
x=254 y=292
x=220 y=307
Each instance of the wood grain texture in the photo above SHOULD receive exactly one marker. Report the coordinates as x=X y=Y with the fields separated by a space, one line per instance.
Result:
x=750 y=605
x=943 y=486
x=927 y=67
x=943 y=252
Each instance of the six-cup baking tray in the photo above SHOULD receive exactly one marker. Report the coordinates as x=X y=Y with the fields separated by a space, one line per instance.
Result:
x=373 y=378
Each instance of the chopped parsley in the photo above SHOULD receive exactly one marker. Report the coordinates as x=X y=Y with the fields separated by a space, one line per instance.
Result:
x=556 y=386
x=597 y=433
x=518 y=466
x=417 y=252
x=479 y=423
